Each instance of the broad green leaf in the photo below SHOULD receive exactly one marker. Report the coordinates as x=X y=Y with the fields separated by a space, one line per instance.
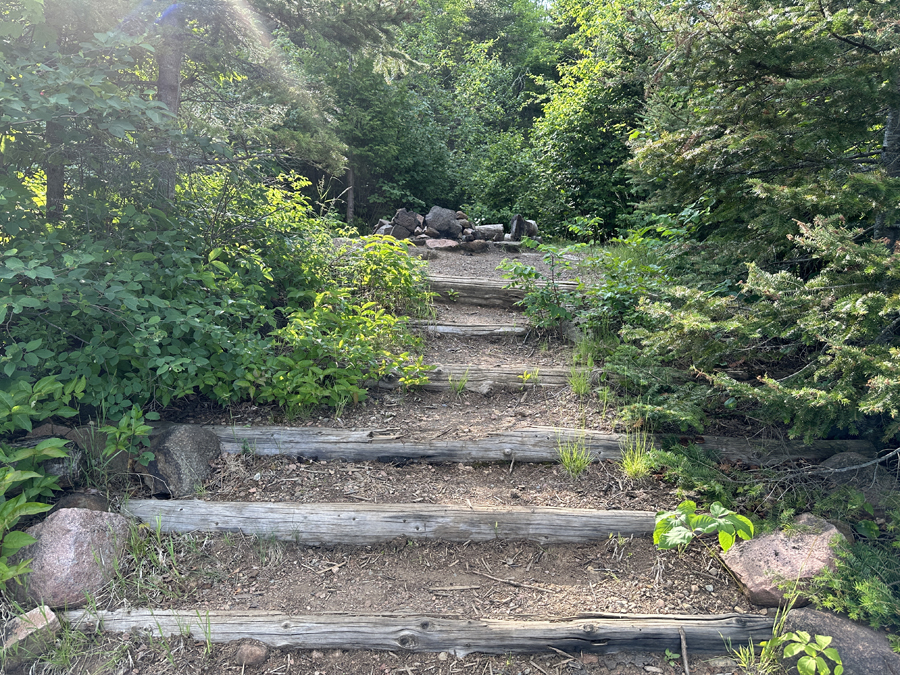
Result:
x=677 y=536
x=792 y=649
x=13 y=541
x=726 y=540
x=806 y=666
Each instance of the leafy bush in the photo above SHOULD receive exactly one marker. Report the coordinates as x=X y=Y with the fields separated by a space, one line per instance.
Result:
x=544 y=303
x=22 y=479
x=156 y=316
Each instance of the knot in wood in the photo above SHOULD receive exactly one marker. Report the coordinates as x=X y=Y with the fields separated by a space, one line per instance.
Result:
x=507 y=452
x=425 y=625
x=407 y=641
x=588 y=628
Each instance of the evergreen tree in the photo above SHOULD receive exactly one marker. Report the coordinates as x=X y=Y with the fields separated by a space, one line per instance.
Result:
x=766 y=111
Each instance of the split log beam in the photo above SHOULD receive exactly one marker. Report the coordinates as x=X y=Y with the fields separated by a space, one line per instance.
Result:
x=483 y=292
x=504 y=377
x=470 y=329
x=525 y=445
x=599 y=634
x=363 y=524
x=535 y=444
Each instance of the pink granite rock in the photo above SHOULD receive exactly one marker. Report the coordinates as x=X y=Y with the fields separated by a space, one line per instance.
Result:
x=73 y=556
x=441 y=243
x=762 y=563
x=38 y=625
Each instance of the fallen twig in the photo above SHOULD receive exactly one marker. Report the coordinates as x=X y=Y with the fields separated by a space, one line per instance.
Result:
x=514 y=583
x=684 y=656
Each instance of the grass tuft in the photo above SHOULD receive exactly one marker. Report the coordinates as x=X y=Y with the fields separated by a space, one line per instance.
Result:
x=574 y=455
x=638 y=454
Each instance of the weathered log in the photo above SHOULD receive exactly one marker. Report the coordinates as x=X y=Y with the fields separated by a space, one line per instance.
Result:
x=470 y=329
x=588 y=633
x=363 y=524
x=535 y=444
x=483 y=380
x=524 y=445
x=483 y=292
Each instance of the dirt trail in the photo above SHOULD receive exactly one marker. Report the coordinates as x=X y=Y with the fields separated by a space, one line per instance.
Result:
x=500 y=579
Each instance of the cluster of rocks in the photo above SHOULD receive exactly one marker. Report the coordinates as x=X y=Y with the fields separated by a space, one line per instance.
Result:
x=446 y=229
x=767 y=565
x=79 y=545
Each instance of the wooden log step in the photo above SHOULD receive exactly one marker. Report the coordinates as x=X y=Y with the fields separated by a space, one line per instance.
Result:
x=470 y=329
x=591 y=633
x=363 y=524
x=483 y=292
x=485 y=380
x=535 y=444
x=539 y=444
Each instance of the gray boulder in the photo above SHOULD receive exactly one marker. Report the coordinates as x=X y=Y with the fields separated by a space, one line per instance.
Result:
x=74 y=557
x=531 y=228
x=385 y=229
x=475 y=246
x=761 y=564
x=862 y=650
x=444 y=221
x=408 y=220
x=181 y=457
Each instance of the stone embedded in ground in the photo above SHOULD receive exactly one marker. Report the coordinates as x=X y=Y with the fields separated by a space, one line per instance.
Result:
x=433 y=233
x=424 y=253
x=761 y=564
x=251 y=654
x=476 y=246
x=862 y=650
x=75 y=553
x=444 y=221
x=181 y=457
x=485 y=388
x=442 y=244
x=31 y=631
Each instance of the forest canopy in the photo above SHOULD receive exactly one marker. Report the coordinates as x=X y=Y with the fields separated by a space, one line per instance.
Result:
x=164 y=163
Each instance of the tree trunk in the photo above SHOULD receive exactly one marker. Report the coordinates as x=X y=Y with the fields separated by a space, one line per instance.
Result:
x=55 y=170
x=351 y=201
x=169 y=58
x=890 y=158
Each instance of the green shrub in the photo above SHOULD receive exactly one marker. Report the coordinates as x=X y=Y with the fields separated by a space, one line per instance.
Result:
x=157 y=316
